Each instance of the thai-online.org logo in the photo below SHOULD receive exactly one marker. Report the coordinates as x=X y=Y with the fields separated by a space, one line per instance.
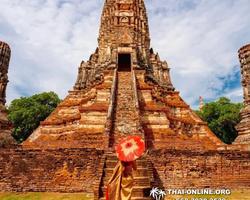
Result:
x=160 y=194
x=157 y=193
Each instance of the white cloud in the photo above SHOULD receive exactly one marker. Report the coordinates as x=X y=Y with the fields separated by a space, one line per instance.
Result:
x=198 y=38
x=200 y=43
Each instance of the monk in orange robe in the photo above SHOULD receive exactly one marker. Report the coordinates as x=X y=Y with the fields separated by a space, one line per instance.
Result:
x=121 y=182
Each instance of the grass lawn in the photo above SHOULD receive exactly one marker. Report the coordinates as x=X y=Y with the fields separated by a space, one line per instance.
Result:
x=235 y=195
x=43 y=196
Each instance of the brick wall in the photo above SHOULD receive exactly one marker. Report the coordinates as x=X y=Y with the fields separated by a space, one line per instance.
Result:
x=193 y=169
x=76 y=170
x=61 y=170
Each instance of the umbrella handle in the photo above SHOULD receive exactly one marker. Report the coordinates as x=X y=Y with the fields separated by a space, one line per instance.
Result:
x=146 y=153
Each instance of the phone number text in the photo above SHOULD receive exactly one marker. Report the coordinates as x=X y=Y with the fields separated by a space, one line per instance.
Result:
x=200 y=199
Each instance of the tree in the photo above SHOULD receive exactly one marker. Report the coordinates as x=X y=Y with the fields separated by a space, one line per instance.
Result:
x=27 y=112
x=222 y=116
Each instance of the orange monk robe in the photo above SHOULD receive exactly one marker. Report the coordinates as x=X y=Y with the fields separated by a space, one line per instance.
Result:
x=120 y=184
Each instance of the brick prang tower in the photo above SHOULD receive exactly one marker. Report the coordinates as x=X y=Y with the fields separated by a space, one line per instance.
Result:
x=6 y=140
x=243 y=127
x=4 y=67
x=123 y=89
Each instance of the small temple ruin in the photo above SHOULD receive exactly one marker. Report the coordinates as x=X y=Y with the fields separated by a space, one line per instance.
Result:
x=243 y=128
x=6 y=140
x=125 y=89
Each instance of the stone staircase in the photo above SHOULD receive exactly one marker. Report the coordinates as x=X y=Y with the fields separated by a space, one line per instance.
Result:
x=142 y=178
x=125 y=121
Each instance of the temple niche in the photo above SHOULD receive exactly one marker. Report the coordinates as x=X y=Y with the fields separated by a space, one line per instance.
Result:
x=6 y=140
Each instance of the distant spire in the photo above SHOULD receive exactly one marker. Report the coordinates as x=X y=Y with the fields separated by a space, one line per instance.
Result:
x=201 y=103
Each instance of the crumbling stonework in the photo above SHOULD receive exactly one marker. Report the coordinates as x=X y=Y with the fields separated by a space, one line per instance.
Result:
x=197 y=169
x=61 y=170
x=4 y=67
x=243 y=127
x=6 y=140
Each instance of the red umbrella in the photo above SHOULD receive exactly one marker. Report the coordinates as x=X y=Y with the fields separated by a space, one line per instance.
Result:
x=130 y=148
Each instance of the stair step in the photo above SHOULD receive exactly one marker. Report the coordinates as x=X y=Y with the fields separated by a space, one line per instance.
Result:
x=112 y=163
x=141 y=191
x=140 y=172
x=137 y=191
x=138 y=181
x=112 y=157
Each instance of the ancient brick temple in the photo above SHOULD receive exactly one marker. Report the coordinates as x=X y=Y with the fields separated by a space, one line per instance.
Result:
x=6 y=140
x=123 y=89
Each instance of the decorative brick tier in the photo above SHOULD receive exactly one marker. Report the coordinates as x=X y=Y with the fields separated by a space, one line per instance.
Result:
x=168 y=121
x=79 y=121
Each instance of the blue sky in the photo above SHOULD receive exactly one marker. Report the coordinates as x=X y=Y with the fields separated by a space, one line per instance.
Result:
x=198 y=38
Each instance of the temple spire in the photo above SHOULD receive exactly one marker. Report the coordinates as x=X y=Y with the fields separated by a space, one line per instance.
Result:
x=124 y=24
x=201 y=103
x=124 y=44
